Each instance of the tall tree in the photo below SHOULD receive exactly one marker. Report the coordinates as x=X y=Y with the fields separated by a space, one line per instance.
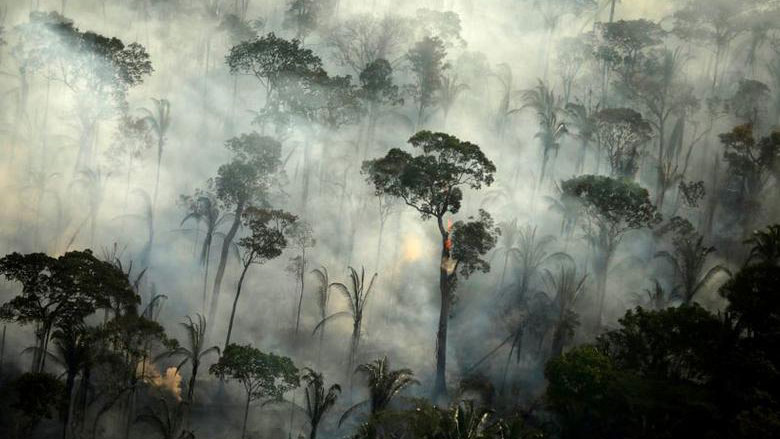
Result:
x=243 y=182
x=551 y=126
x=263 y=375
x=268 y=234
x=613 y=207
x=426 y=59
x=160 y=121
x=301 y=238
x=431 y=182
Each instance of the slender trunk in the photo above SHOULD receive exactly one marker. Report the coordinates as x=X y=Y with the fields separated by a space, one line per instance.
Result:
x=246 y=415
x=313 y=433
x=300 y=296
x=223 y=257
x=440 y=385
x=191 y=386
x=235 y=302
x=206 y=273
x=69 y=381
x=160 y=145
x=662 y=177
x=503 y=272
x=2 y=351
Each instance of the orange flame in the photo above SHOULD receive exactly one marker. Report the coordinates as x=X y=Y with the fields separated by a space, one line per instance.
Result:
x=448 y=241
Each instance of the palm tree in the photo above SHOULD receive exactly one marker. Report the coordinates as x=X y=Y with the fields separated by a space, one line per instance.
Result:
x=194 y=352
x=356 y=297
x=160 y=121
x=581 y=118
x=318 y=400
x=566 y=286
x=383 y=385
x=465 y=421
x=448 y=94
x=323 y=295
x=532 y=255
x=688 y=260
x=204 y=208
x=504 y=111
x=74 y=351
x=655 y=298
x=766 y=245
x=546 y=105
x=508 y=246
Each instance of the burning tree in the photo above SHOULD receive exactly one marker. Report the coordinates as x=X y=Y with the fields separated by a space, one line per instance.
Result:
x=431 y=182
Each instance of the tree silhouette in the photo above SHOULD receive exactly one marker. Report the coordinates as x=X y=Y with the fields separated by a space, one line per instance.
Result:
x=263 y=376
x=318 y=400
x=551 y=127
x=357 y=295
x=431 y=182
x=194 y=352
x=384 y=384
x=244 y=181
x=613 y=208
x=160 y=121
x=426 y=58
x=268 y=234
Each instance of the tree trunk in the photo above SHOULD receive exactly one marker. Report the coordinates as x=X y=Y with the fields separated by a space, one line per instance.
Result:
x=69 y=381
x=191 y=385
x=226 y=243
x=300 y=297
x=440 y=385
x=206 y=275
x=235 y=302
x=246 y=415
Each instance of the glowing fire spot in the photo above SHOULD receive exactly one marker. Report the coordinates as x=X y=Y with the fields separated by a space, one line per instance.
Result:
x=170 y=382
x=412 y=248
x=448 y=242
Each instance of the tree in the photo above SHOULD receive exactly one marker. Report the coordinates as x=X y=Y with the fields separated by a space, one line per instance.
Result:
x=241 y=183
x=304 y=16
x=659 y=87
x=194 y=352
x=203 y=206
x=622 y=132
x=318 y=400
x=357 y=296
x=711 y=23
x=384 y=384
x=582 y=118
x=263 y=375
x=378 y=91
x=551 y=129
x=765 y=245
x=750 y=162
x=268 y=233
x=613 y=207
x=689 y=260
x=276 y=63
x=623 y=45
x=323 y=296
x=38 y=394
x=431 y=183
x=74 y=344
x=448 y=94
x=61 y=292
x=426 y=59
x=566 y=286
x=160 y=121
x=363 y=39
x=301 y=236
x=168 y=421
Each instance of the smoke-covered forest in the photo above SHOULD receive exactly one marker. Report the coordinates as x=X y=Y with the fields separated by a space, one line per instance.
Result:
x=441 y=219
